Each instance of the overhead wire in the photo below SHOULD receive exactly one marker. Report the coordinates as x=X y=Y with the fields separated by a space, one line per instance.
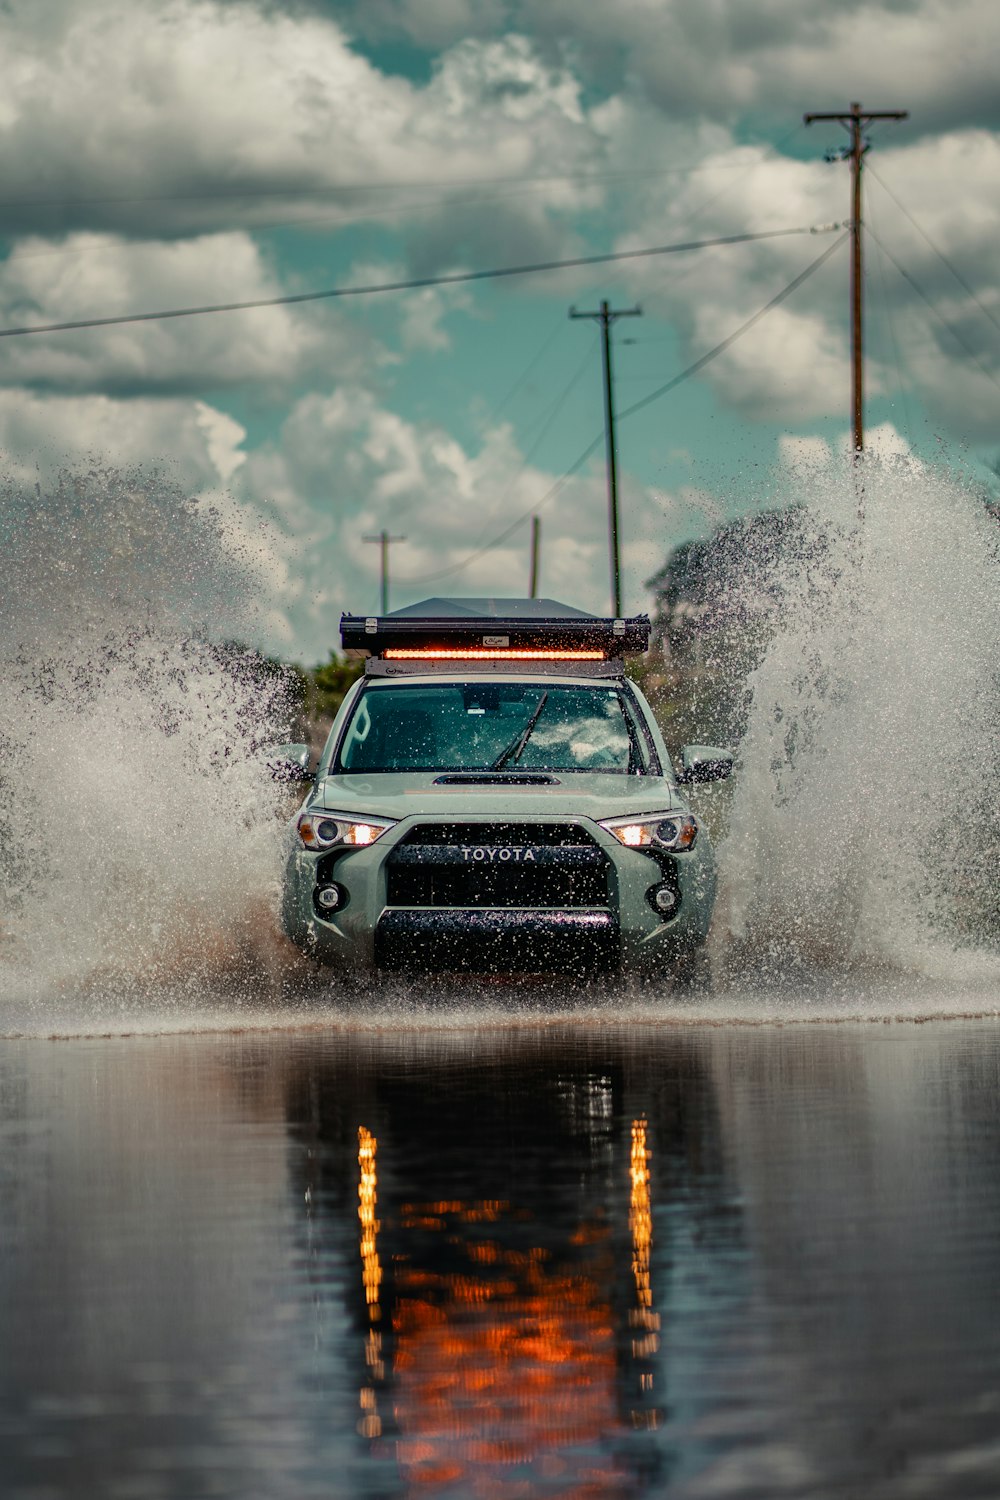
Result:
x=346 y=216
x=694 y=215
x=519 y=184
x=455 y=278
x=556 y=406
x=393 y=210
x=912 y=281
x=581 y=459
x=554 y=411
x=986 y=312
x=893 y=341
x=385 y=214
x=533 y=509
x=721 y=348
x=368 y=187
x=532 y=364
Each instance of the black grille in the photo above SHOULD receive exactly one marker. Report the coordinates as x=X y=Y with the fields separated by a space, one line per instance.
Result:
x=492 y=942
x=555 y=834
x=498 y=865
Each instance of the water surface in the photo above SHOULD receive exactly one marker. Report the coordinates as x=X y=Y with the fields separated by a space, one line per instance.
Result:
x=567 y=1256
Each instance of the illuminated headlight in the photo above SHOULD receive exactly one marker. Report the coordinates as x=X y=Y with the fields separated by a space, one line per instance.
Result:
x=323 y=830
x=673 y=831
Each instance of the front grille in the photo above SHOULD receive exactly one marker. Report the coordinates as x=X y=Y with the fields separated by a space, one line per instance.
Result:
x=504 y=866
x=556 y=835
x=497 y=942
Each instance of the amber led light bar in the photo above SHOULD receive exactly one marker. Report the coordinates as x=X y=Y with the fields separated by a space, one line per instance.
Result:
x=457 y=653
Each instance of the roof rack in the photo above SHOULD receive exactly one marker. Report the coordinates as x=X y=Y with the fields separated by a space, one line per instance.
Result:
x=573 y=637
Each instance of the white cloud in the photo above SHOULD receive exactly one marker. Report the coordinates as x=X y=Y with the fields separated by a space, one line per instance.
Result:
x=485 y=162
x=932 y=320
x=223 y=438
x=422 y=313
x=345 y=467
x=167 y=117
x=183 y=439
x=294 y=512
x=90 y=276
x=774 y=57
x=154 y=446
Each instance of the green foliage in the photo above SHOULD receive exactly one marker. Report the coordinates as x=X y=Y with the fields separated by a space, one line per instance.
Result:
x=327 y=685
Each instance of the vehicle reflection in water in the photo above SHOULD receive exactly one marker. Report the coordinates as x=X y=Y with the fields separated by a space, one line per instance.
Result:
x=508 y=1332
x=574 y=1260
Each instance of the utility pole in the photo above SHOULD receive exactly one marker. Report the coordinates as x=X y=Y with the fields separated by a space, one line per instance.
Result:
x=536 y=537
x=383 y=539
x=855 y=121
x=606 y=316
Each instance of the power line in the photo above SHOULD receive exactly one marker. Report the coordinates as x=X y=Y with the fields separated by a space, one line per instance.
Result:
x=694 y=215
x=453 y=279
x=547 y=417
x=529 y=367
x=938 y=252
x=912 y=281
x=670 y=385
x=856 y=120
x=348 y=214
x=607 y=316
x=383 y=540
x=535 y=506
x=699 y=364
x=550 y=417
x=216 y=194
x=894 y=342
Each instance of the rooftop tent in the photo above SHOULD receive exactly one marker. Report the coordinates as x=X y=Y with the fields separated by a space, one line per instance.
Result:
x=495 y=628
x=509 y=609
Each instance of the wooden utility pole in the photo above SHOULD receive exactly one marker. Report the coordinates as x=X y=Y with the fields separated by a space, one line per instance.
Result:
x=536 y=537
x=383 y=539
x=855 y=120
x=606 y=316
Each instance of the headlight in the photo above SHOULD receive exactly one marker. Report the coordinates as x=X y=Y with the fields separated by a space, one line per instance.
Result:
x=673 y=831
x=325 y=830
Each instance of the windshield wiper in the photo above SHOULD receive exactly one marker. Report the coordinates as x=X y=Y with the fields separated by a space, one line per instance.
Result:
x=515 y=749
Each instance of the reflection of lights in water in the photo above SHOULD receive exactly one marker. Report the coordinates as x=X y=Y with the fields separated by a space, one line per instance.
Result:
x=367 y=1196
x=370 y=1424
x=504 y=1358
x=504 y=1368
x=643 y=1319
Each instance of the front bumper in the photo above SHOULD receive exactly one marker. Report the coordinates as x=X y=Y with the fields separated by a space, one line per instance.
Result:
x=496 y=940
x=477 y=895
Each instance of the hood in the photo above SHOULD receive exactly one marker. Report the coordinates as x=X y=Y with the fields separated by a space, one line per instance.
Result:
x=580 y=793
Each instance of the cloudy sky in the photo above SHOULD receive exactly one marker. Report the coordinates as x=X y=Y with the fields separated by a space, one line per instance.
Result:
x=163 y=154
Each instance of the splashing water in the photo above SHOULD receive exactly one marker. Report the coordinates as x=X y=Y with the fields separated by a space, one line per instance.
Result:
x=140 y=837
x=138 y=829
x=865 y=830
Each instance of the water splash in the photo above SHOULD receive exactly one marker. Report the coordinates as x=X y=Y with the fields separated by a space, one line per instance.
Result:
x=138 y=827
x=140 y=837
x=865 y=829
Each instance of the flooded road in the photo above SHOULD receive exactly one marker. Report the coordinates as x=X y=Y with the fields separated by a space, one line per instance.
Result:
x=583 y=1255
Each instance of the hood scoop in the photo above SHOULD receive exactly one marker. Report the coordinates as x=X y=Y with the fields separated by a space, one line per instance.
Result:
x=493 y=778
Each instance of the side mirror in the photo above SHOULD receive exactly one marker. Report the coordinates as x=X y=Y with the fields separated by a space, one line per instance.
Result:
x=704 y=763
x=289 y=763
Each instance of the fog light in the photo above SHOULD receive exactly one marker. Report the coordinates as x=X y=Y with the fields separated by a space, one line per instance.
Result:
x=328 y=897
x=666 y=899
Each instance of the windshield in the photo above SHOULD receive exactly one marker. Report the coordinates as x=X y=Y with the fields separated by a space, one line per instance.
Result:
x=482 y=726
